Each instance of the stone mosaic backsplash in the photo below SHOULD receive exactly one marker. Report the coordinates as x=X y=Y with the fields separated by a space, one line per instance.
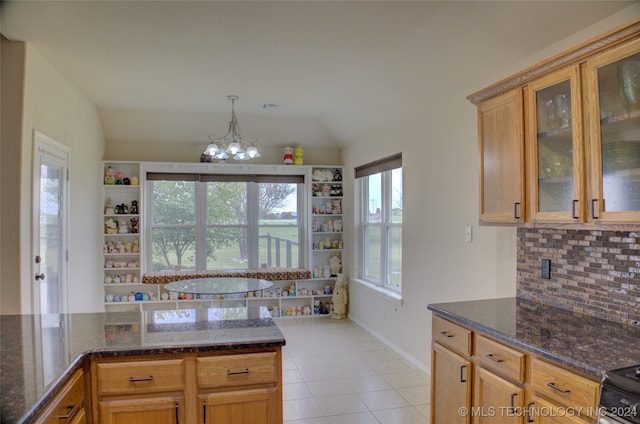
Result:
x=593 y=272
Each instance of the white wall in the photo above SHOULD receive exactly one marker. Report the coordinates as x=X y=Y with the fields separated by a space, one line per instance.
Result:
x=437 y=133
x=55 y=107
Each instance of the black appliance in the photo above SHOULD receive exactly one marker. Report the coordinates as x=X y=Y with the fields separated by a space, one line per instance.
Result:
x=620 y=396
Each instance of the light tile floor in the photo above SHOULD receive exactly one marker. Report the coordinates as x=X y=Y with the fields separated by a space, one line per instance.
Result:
x=335 y=372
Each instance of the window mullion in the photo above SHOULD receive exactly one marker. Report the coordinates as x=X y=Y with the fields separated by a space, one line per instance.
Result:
x=253 y=193
x=201 y=228
x=384 y=233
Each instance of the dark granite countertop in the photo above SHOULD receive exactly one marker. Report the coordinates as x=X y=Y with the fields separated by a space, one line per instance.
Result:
x=584 y=343
x=38 y=353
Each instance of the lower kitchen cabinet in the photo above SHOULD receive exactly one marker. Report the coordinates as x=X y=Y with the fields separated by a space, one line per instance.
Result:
x=451 y=374
x=509 y=386
x=68 y=405
x=497 y=400
x=235 y=387
x=152 y=410
x=252 y=406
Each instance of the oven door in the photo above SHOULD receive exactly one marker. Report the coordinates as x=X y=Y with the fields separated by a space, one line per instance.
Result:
x=607 y=419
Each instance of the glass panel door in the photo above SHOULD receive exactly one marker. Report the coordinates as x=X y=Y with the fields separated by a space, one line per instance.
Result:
x=555 y=151
x=619 y=93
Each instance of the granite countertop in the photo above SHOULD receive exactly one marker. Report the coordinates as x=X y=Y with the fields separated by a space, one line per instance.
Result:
x=584 y=343
x=33 y=370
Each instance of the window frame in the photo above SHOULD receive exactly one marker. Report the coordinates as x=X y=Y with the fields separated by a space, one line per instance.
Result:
x=383 y=167
x=201 y=177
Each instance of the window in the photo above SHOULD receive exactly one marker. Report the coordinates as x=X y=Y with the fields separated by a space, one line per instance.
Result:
x=223 y=222
x=381 y=222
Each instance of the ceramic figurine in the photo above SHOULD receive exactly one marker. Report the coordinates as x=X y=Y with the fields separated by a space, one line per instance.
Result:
x=297 y=156
x=288 y=155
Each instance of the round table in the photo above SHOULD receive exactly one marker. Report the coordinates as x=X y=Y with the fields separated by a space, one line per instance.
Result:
x=219 y=285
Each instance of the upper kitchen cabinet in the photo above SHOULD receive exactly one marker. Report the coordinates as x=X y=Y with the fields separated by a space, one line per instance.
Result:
x=500 y=128
x=555 y=153
x=613 y=108
x=560 y=141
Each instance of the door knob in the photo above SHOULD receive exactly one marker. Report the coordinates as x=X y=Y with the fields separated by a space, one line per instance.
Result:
x=39 y=277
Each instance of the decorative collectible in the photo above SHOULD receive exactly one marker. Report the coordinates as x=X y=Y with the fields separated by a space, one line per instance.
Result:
x=297 y=156
x=288 y=155
x=109 y=175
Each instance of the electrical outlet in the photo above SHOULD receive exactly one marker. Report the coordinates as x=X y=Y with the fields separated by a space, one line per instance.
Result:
x=545 y=270
x=467 y=234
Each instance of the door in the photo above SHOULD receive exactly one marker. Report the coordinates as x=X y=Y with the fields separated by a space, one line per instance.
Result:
x=496 y=400
x=50 y=164
x=451 y=387
x=154 y=410
x=502 y=177
x=253 y=406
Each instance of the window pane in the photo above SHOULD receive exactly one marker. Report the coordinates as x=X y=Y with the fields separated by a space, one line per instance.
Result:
x=173 y=202
x=278 y=225
x=395 y=257
x=396 y=196
x=372 y=239
x=279 y=247
x=374 y=198
x=227 y=248
x=173 y=248
x=227 y=203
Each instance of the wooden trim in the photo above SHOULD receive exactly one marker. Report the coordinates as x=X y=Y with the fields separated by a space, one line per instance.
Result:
x=571 y=56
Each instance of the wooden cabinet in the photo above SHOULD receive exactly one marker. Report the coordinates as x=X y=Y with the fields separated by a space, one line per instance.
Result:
x=496 y=399
x=564 y=389
x=555 y=155
x=219 y=387
x=502 y=176
x=68 y=406
x=451 y=375
x=140 y=391
x=578 y=116
x=613 y=108
x=509 y=385
x=239 y=389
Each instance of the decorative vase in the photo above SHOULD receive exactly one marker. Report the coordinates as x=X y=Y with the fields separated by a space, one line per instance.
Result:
x=629 y=80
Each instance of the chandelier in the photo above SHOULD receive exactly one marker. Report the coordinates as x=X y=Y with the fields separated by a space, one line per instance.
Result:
x=231 y=144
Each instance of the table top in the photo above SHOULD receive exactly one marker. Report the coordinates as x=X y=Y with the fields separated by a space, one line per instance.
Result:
x=219 y=285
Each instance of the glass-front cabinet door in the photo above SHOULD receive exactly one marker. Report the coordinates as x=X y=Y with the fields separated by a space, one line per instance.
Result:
x=554 y=142
x=613 y=101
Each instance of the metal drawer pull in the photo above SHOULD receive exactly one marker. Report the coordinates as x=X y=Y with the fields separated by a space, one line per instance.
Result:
x=558 y=388
x=71 y=410
x=447 y=335
x=135 y=379
x=245 y=371
x=512 y=408
x=494 y=359
x=529 y=412
x=177 y=415
x=463 y=378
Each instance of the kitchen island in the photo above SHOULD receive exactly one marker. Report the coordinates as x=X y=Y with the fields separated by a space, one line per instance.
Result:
x=39 y=354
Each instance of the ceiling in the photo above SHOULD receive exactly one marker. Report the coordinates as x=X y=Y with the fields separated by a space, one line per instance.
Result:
x=161 y=70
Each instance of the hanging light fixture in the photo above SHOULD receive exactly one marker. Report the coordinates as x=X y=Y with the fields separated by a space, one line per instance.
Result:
x=231 y=144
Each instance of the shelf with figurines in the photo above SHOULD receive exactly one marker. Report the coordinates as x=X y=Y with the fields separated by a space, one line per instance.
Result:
x=326 y=182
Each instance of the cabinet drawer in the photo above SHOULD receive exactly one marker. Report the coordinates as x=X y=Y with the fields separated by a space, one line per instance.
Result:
x=120 y=378
x=452 y=335
x=68 y=404
x=563 y=387
x=237 y=370
x=501 y=359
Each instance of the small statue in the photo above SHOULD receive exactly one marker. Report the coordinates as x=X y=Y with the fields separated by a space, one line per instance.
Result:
x=340 y=298
x=297 y=156
x=134 y=207
x=109 y=175
x=288 y=155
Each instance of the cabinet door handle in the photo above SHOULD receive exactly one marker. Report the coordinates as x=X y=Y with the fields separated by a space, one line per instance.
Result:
x=463 y=378
x=71 y=410
x=558 y=388
x=529 y=412
x=494 y=359
x=244 y=371
x=594 y=215
x=136 y=379
x=445 y=334
x=573 y=209
x=204 y=412
x=177 y=415
x=516 y=210
x=512 y=408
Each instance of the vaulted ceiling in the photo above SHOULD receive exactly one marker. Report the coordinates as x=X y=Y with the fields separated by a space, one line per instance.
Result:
x=161 y=70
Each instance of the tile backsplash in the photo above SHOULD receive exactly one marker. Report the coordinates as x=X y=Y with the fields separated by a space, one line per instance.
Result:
x=593 y=272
